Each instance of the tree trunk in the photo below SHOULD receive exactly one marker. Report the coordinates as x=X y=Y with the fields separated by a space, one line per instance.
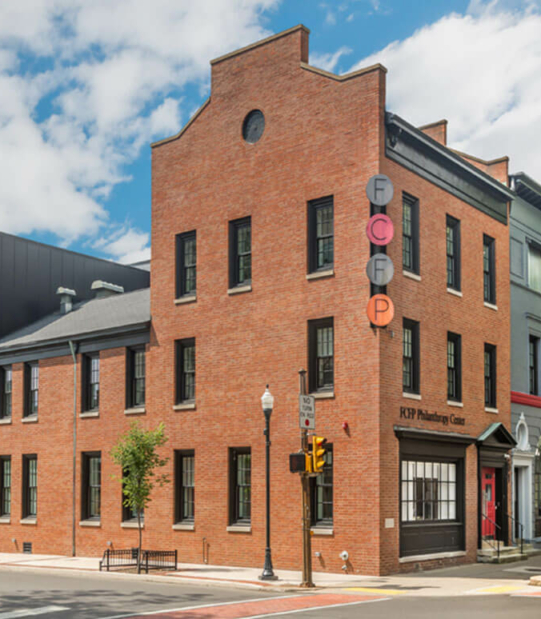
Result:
x=140 y=541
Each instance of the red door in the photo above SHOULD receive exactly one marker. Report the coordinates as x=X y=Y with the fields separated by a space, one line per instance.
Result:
x=489 y=501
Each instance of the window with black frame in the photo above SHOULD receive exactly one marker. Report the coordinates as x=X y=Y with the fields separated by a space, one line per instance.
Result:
x=321 y=488
x=186 y=264
x=240 y=486
x=31 y=379
x=490 y=376
x=136 y=377
x=129 y=514
x=6 y=383
x=185 y=361
x=91 y=481
x=454 y=367
x=30 y=486
x=321 y=234
x=185 y=486
x=5 y=486
x=240 y=252
x=453 y=253
x=429 y=491
x=489 y=270
x=533 y=364
x=410 y=234
x=321 y=354
x=410 y=357
x=91 y=382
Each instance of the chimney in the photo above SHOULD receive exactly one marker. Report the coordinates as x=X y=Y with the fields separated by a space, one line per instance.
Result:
x=105 y=289
x=66 y=299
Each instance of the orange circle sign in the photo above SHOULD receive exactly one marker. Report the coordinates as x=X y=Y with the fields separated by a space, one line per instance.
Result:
x=380 y=310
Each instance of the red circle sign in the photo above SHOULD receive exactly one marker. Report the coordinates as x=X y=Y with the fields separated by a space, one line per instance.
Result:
x=380 y=310
x=380 y=229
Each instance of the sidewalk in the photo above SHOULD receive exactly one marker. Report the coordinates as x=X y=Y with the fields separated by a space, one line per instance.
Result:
x=478 y=579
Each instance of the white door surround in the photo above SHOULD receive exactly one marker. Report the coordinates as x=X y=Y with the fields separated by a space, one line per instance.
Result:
x=523 y=464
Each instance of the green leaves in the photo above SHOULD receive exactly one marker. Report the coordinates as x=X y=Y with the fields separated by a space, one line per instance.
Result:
x=137 y=453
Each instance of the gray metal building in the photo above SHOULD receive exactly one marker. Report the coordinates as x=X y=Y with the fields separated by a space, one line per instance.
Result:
x=525 y=250
x=31 y=272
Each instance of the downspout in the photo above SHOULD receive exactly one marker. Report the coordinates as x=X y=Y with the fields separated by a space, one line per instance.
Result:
x=73 y=350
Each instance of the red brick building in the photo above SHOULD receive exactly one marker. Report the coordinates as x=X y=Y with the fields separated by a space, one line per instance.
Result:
x=259 y=212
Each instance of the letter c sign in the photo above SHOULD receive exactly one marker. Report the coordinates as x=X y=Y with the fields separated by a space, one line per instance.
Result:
x=380 y=229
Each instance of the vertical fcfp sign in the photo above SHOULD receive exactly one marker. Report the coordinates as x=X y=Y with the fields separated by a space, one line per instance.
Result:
x=380 y=232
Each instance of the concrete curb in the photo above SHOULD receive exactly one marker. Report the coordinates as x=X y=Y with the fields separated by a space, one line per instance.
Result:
x=166 y=579
x=535 y=581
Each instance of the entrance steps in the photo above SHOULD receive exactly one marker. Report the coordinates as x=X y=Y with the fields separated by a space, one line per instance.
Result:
x=508 y=554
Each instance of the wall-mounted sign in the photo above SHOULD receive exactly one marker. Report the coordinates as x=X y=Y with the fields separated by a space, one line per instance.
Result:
x=380 y=229
x=380 y=190
x=423 y=415
x=380 y=269
x=380 y=310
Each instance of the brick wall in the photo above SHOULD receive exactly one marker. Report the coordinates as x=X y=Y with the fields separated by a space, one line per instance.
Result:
x=323 y=136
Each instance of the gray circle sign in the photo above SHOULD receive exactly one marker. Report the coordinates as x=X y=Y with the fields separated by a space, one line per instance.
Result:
x=380 y=269
x=380 y=190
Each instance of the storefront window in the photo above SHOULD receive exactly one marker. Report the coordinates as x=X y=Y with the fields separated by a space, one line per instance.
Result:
x=428 y=491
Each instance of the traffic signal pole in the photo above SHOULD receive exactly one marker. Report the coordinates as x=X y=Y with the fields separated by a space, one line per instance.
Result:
x=306 y=520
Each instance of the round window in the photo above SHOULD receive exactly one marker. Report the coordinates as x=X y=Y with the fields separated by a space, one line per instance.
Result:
x=253 y=126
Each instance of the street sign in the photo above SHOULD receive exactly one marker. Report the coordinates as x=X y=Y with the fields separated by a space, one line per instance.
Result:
x=307 y=412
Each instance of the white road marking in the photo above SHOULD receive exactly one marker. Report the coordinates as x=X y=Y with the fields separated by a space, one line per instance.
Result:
x=32 y=612
x=214 y=604
x=305 y=610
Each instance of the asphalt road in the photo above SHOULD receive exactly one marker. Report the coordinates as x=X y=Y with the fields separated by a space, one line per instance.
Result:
x=66 y=596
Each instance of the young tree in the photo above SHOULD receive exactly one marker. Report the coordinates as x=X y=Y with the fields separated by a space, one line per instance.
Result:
x=137 y=454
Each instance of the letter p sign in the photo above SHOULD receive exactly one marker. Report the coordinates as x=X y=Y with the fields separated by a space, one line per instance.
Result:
x=380 y=310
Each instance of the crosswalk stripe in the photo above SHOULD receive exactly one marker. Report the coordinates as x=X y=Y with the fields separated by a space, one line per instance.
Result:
x=32 y=612
x=378 y=590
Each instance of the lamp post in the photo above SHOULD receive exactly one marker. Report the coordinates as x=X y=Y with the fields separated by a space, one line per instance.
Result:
x=267 y=402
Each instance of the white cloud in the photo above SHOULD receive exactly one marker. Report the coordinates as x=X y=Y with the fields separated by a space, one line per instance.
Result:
x=481 y=71
x=126 y=245
x=99 y=81
x=330 y=18
x=328 y=62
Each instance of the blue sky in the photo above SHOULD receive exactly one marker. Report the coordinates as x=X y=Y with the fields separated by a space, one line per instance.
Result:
x=86 y=85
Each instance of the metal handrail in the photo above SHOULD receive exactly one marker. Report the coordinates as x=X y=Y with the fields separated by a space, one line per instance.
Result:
x=497 y=527
x=521 y=532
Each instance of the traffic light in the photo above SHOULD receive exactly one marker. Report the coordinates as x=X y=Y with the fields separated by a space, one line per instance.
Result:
x=318 y=453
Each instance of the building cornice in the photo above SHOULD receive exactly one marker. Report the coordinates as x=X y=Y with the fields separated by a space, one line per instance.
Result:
x=517 y=397
x=59 y=347
x=184 y=129
x=528 y=189
x=247 y=48
x=423 y=155
x=346 y=76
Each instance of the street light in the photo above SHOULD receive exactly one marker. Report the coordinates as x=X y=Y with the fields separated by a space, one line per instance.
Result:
x=267 y=402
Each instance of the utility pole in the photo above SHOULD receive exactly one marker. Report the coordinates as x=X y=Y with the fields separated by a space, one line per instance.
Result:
x=306 y=520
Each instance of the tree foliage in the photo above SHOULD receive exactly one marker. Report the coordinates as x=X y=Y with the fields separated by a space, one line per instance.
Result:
x=137 y=453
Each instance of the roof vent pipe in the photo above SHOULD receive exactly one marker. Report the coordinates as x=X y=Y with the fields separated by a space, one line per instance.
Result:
x=66 y=299
x=105 y=289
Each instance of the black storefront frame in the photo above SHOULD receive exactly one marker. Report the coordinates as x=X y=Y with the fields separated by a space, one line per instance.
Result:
x=433 y=446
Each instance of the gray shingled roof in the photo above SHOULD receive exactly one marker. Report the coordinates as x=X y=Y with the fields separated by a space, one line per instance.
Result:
x=96 y=315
